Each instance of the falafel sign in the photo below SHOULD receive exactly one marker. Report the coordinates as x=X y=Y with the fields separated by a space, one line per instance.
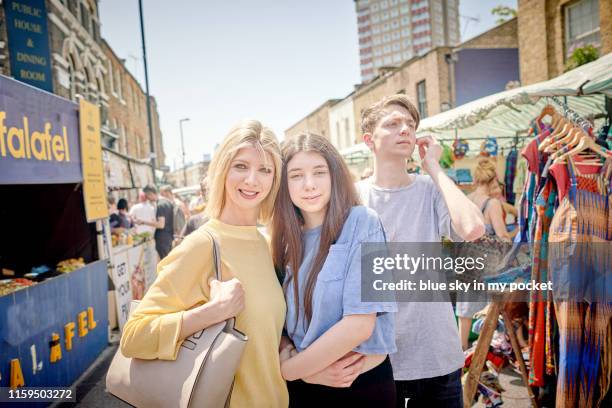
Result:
x=39 y=139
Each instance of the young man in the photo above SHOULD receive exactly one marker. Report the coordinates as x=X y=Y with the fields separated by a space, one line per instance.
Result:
x=180 y=209
x=418 y=208
x=164 y=223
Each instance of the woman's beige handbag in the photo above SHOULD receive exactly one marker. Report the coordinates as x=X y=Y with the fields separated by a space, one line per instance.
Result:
x=201 y=376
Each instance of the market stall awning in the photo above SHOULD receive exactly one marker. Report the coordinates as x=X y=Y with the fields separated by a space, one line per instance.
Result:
x=509 y=112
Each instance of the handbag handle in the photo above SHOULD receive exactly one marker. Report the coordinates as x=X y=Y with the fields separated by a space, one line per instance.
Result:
x=216 y=256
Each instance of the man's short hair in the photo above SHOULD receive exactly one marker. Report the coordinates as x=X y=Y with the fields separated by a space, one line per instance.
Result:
x=150 y=188
x=372 y=114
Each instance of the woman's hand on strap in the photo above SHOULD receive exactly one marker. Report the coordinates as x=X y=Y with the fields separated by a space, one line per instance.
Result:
x=228 y=295
x=226 y=301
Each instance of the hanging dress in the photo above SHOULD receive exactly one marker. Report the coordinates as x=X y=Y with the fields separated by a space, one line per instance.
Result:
x=581 y=227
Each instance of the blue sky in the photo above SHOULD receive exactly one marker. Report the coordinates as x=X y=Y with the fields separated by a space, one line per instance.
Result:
x=217 y=62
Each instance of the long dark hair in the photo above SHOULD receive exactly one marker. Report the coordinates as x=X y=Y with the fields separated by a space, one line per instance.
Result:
x=287 y=219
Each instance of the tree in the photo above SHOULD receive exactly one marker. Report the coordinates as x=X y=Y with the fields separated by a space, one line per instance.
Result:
x=504 y=13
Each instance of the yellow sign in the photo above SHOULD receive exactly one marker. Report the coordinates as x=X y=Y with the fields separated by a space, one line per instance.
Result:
x=91 y=157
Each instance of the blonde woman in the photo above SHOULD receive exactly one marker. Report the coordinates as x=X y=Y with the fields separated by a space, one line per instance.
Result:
x=244 y=178
x=485 y=177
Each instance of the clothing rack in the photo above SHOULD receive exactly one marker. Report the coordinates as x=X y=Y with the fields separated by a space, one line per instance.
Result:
x=572 y=114
x=496 y=307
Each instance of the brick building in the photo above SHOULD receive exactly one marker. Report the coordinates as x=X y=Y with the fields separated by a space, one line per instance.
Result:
x=393 y=31
x=126 y=114
x=436 y=81
x=549 y=31
x=316 y=122
x=67 y=45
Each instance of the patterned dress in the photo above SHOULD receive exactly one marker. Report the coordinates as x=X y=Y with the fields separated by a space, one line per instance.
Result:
x=580 y=228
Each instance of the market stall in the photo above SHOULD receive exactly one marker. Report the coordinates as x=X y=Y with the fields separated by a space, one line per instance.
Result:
x=133 y=257
x=53 y=307
x=560 y=129
x=552 y=145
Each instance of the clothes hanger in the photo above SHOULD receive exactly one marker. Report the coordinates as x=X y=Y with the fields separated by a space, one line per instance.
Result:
x=586 y=142
x=571 y=139
x=548 y=110
x=560 y=132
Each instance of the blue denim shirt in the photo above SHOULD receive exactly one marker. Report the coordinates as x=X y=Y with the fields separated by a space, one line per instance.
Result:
x=338 y=289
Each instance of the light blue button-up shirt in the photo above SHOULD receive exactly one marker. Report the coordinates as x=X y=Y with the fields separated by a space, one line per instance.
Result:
x=338 y=289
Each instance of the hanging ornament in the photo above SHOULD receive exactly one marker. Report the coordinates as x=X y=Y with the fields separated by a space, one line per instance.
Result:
x=460 y=148
x=489 y=147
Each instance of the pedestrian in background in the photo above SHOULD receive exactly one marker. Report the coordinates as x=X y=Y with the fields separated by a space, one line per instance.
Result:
x=120 y=220
x=164 y=221
x=197 y=204
x=144 y=210
x=197 y=220
x=179 y=209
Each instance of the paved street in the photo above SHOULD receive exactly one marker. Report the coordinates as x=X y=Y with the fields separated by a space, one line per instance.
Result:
x=91 y=390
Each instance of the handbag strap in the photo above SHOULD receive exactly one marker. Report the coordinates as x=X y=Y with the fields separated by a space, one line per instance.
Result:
x=216 y=255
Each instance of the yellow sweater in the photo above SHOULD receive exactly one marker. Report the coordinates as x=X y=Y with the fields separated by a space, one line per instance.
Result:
x=182 y=282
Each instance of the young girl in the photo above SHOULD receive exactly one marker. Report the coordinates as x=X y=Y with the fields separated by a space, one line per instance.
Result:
x=244 y=179
x=317 y=231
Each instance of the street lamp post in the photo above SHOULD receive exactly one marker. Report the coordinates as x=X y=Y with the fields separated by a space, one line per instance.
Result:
x=183 y=149
x=146 y=72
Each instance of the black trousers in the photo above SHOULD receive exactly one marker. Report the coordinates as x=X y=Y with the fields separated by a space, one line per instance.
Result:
x=444 y=391
x=374 y=388
x=163 y=247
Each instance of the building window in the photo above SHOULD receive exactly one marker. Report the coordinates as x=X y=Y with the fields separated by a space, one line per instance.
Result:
x=422 y=99
x=338 y=135
x=581 y=25
x=347 y=133
x=72 y=6
x=72 y=74
x=111 y=81
x=119 y=87
x=85 y=18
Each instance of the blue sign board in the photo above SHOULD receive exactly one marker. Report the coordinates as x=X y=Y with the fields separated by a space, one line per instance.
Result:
x=28 y=42
x=39 y=138
x=68 y=312
x=483 y=72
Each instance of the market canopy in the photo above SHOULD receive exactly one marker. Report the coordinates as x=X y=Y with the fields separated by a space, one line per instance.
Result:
x=508 y=113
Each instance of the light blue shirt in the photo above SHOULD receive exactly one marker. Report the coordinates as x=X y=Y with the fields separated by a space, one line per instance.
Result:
x=337 y=292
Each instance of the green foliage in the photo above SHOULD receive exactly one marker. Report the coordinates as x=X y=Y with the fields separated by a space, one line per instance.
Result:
x=581 y=56
x=504 y=13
